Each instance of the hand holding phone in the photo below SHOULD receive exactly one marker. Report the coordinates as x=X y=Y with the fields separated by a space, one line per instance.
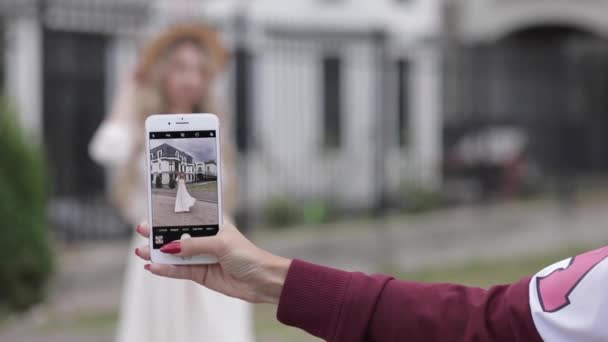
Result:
x=184 y=182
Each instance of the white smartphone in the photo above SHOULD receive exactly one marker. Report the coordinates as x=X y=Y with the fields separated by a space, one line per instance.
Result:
x=184 y=182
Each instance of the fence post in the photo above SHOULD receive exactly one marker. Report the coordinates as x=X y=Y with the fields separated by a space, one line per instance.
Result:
x=380 y=143
x=242 y=110
x=380 y=133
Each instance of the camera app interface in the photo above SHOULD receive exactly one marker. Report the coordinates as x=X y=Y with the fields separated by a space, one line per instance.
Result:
x=183 y=180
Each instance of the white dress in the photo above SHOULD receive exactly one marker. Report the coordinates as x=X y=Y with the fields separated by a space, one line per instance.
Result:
x=158 y=309
x=183 y=200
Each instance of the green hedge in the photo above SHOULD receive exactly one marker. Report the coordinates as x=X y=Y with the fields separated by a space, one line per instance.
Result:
x=25 y=254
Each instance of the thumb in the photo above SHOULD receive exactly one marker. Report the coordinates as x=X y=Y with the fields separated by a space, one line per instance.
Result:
x=211 y=245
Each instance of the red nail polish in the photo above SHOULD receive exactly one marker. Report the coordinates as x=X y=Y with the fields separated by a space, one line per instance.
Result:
x=138 y=229
x=147 y=267
x=172 y=248
x=137 y=251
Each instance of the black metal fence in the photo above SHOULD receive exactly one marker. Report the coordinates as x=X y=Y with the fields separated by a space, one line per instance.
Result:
x=549 y=84
x=299 y=98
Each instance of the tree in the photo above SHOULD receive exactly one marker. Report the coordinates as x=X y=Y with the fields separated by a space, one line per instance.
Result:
x=172 y=181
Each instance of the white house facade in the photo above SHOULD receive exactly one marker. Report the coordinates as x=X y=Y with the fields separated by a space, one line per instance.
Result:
x=166 y=162
x=208 y=168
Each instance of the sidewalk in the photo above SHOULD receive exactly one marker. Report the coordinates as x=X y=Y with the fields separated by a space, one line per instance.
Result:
x=444 y=238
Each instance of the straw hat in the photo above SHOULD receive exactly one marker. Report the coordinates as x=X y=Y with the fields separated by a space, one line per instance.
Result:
x=203 y=35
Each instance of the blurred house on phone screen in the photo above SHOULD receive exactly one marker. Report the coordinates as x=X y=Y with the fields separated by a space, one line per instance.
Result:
x=346 y=100
x=166 y=162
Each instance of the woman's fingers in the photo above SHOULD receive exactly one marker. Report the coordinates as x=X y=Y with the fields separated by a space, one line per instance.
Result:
x=211 y=245
x=143 y=252
x=143 y=229
x=176 y=272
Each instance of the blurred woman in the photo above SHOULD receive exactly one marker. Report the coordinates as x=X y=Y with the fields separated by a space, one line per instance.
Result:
x=175 y=74
x=183 y=200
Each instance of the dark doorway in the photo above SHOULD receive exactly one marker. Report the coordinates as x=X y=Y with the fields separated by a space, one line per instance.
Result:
x=74 y=83
x=74 y=106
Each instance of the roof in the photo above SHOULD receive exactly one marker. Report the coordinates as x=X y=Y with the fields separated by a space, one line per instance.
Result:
x=168 y=151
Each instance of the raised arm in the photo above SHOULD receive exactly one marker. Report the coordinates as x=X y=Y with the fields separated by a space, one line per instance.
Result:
x=113 y=141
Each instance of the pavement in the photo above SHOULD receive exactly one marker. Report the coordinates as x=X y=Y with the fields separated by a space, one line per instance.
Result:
x=447 y=238
x=85 y=293
x=163 y=211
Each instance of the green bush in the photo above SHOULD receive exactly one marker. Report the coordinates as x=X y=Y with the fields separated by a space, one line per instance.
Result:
x=25 y=258
x=282 y=212
x=159 y=182
x=418 y=199
x=317 y=212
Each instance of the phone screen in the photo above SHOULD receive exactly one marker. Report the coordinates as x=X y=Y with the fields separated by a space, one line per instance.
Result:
x=184 y=185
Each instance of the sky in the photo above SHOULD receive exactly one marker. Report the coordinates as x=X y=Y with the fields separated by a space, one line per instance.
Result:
x=201 y=149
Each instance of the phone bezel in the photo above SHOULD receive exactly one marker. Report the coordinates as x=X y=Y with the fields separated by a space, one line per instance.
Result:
x=182 y=122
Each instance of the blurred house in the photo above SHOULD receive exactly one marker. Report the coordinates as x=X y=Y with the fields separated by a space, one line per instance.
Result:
x=167 y=161
x=347 y=101
x=209 y=169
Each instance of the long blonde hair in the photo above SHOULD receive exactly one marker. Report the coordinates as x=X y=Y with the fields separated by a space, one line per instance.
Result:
x=149 y=99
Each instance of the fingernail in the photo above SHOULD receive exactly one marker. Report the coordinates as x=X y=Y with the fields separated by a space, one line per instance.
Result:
x=138 y=228
x=147 y=267
x=137 y=251
x=172 y=248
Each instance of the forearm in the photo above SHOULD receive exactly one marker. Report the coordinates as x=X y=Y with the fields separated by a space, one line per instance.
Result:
x=343 y=306
x=446 y=312
x=274 y=273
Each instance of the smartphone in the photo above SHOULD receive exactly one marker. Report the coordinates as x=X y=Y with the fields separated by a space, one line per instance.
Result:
x=184 y=182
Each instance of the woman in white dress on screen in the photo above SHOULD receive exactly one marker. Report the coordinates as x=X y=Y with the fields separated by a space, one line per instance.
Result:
x=175 y=74
x=183 y=200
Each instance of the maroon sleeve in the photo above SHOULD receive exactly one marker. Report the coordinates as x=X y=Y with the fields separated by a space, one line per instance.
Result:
x=343 y=306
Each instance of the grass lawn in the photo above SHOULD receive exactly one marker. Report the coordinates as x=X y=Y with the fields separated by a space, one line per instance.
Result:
x=85 y=323
x=207 y=187
x=485 y=273
x=268 y=329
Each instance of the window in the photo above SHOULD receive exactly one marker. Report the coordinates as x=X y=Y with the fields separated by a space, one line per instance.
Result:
x=151 y=155
x=177 y=154
x=332 y=101
x=403 y=102
x=159 y=154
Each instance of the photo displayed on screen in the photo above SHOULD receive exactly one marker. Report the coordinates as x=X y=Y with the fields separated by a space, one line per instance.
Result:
x=183 y=181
